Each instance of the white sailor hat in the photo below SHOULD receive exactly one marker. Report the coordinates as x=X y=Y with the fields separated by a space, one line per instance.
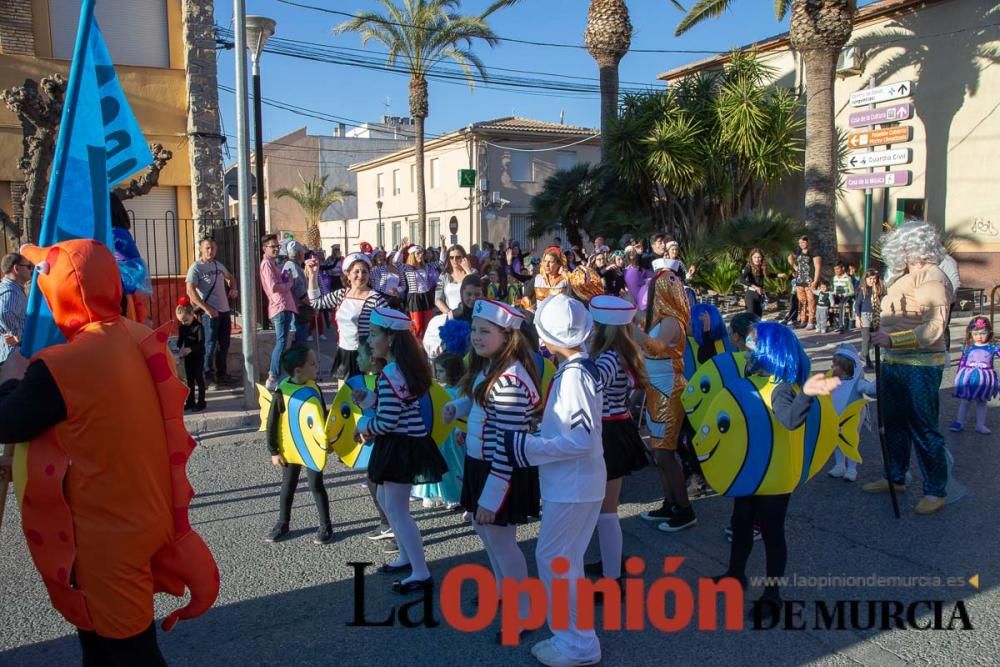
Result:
x=563 y=321
x=414 y=248
x=356 y=257
x=607 y=309
x=675 y=265
x=387 y=318
x=500 y=314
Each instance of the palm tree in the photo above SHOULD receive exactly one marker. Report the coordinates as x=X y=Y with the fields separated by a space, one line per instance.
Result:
x=608 y=37
x=422 y=33
x=819 y=30
x=314 y=199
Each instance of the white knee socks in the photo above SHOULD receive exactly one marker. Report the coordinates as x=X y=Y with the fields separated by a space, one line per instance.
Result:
x=609 y=534
x=397 y=500
x=488 y=545
x=506 y=556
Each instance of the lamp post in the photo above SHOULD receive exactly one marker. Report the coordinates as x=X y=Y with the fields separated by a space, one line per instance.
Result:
x=381 y=232
x=248 y=276
x=258 y=30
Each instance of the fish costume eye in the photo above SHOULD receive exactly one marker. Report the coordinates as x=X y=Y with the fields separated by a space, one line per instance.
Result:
x=705 y=385
x=345 y=410
x=309 y=421
x=722 y=423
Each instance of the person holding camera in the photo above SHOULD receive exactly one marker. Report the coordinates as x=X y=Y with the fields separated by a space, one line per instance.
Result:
x=210 y=286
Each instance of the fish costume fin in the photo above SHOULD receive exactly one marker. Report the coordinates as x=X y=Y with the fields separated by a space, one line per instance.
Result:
x=849 y=430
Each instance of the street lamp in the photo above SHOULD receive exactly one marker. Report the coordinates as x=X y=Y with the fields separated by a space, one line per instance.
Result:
x=381 y=232
x=259 y=29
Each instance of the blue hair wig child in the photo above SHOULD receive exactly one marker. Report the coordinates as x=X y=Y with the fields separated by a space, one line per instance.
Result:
x=716 y=326
x=778 y=353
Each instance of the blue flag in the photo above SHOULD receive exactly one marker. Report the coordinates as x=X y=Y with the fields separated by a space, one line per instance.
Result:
x=99 y=145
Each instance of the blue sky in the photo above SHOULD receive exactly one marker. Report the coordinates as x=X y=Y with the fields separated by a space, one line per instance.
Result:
x=363 y=94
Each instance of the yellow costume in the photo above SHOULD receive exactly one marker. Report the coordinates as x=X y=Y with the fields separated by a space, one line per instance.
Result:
x=665 y=363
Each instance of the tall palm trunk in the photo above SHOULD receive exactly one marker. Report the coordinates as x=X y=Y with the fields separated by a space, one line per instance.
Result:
x=419 y=109
x=821 y=154
x=608 y=37
x=818 y=31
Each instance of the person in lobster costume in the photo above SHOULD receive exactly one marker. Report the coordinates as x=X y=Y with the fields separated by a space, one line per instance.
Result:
x=101 y=479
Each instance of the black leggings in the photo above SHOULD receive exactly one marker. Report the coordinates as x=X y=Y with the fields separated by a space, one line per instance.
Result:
x=768 y=513
x=754 y=302
x=290 y=479
x=194 y=369
x=140 y=649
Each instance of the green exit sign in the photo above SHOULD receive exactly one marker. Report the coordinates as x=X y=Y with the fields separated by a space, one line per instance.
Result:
x=466 y=178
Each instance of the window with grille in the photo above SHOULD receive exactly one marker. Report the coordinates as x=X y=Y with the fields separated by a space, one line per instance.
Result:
x=397 y=233
x=433 y=231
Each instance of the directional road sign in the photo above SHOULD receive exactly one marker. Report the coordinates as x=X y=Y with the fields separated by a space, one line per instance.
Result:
x=889 y=135
x=889 y=179
x=890 y=114
x=865 y=159
x=890 y=91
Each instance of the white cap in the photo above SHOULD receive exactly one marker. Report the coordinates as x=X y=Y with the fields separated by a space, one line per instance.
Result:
x=500 y=314
x=563 y=321
x=356 y=257
x=675 y=265
x=671 y=244
x=607 y=309
x=414 y=248
x=387 y=318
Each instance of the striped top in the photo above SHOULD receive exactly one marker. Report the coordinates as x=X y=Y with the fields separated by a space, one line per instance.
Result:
x=418 y=281
x=353 y=327
x=397 y=412
x=13 y=304
x=383 y=280
x=618 y=382
x=511 y=405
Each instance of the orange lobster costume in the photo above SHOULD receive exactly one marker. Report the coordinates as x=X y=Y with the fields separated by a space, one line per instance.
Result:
x=105 y=499
x=665 y=364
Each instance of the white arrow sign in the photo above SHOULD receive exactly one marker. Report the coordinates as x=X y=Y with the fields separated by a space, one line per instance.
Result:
x=890 y=91
x=865 y=159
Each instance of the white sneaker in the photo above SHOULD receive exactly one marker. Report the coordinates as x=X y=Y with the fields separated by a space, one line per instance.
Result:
x=851 y=475
x=838 y=471
x=429 y=503
x=323 y=337
x=547 y=654
x=309 y=338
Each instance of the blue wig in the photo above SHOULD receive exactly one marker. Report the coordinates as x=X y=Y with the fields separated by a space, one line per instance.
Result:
x=456 y=336
x=716 y=329
x=778 y=353
x=131 y=265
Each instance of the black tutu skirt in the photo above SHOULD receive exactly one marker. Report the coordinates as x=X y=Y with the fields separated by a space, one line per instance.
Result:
x=418 y=303
x=345 y=364
x=624 y=452
x=523 y=499
x=405 y=459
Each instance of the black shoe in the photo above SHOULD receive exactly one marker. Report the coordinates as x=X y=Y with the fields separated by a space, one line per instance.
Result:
x=681 y=519
x=389 y=568
x=390 y=548
x=700 y=491
x=324 y=535
x=593 y=569
x=767 y=608
x=741 y=579
x=189 y=407
x=199 y=406
x=661 y=514
x=277 y=533
x=413 y=586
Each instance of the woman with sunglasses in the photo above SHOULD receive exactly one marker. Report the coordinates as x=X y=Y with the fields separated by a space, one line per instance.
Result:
x=448 y=295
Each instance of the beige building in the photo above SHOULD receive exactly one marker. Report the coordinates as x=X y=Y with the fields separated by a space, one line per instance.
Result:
x=512 y=158
x=938 y=45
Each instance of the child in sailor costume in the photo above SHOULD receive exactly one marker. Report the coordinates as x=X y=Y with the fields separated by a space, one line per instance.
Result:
x=403 y=453
x=624 y=452
x=498 y=496
x=570 y=458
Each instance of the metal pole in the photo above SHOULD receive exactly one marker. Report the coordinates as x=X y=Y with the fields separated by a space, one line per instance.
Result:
x=258 y=140
x=248 y=277
x=866 y=257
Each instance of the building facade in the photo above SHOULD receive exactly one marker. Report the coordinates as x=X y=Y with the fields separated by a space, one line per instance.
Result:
x=945 y=49
x=511 y=156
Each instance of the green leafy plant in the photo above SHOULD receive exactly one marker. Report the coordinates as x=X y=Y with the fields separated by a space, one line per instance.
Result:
x=773 y=232
x=721 y=275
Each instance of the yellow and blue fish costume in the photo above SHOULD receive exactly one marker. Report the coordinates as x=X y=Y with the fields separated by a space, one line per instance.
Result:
x=300 y=431
x=745 y=451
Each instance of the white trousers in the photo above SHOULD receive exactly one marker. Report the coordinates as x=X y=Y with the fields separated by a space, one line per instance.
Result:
x=566 y=531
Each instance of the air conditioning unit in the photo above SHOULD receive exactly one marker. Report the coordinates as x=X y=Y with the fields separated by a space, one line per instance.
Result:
x=850 y=62
x=495 y=197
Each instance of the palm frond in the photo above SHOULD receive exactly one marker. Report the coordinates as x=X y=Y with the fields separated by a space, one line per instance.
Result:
x=701 y=10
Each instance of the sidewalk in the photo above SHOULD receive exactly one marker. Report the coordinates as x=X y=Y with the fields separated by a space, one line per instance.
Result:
x=226 y=410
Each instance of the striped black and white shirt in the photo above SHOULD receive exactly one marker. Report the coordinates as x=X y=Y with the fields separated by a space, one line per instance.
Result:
x=383 y=280
x=618 y=385
x=418 y=281
x=13 y=305
x=511 y=404
x=354 y=322
x=397 y=411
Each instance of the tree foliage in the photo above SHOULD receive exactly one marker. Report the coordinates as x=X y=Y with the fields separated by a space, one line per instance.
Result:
x=314 y=198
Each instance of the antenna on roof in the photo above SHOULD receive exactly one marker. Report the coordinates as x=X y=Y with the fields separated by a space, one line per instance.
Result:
x=562 y=117
x=386 y=104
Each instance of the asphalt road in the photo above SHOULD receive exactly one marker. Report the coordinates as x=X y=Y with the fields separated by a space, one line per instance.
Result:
x=291 y=602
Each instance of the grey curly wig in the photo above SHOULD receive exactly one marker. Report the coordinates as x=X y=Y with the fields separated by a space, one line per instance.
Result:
x=910 y=242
